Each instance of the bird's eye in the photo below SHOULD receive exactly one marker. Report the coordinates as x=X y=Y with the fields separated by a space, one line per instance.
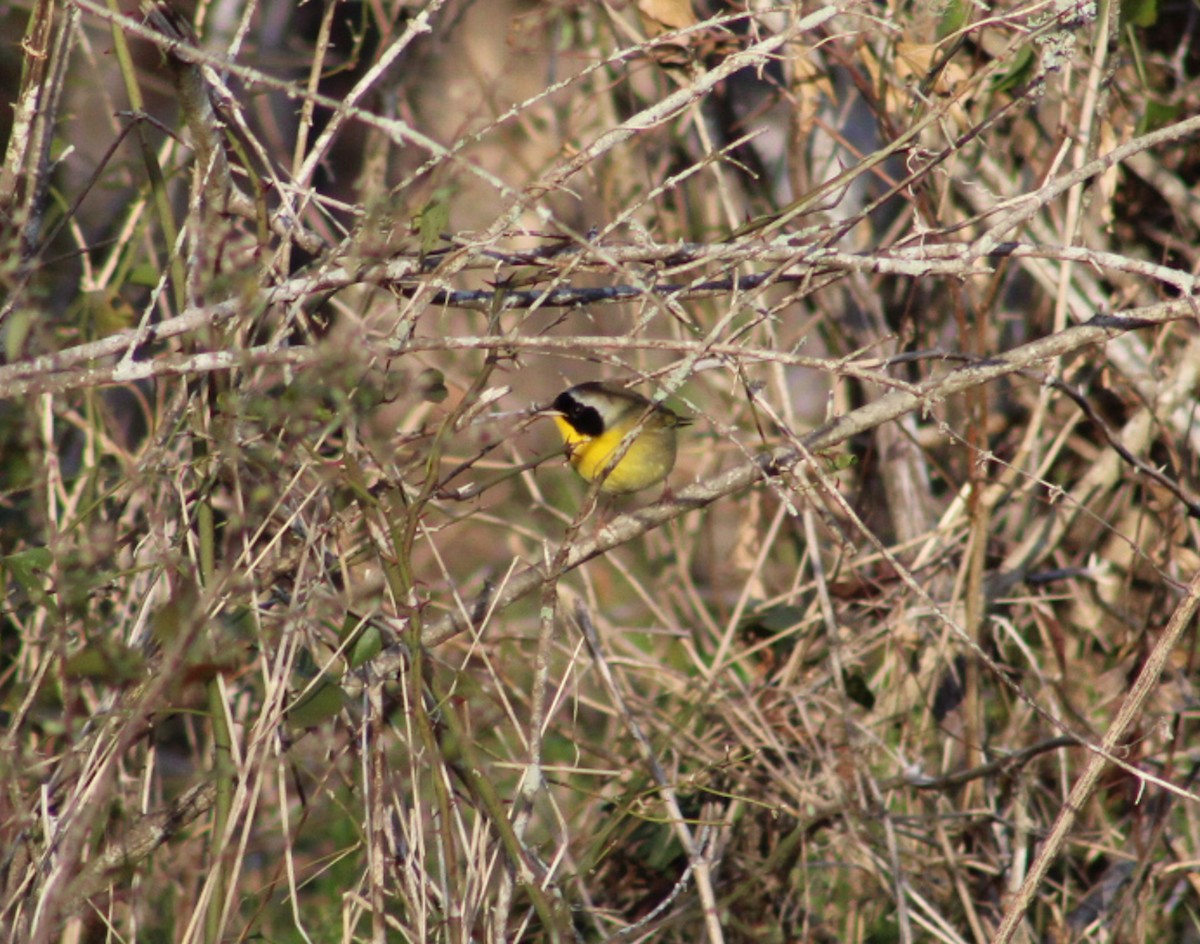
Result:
x=585 y=419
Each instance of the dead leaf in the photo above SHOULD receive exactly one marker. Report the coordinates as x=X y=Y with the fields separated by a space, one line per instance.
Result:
x=659 y=16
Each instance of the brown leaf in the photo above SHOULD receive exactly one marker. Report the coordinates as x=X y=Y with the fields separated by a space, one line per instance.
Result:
x=658 y=16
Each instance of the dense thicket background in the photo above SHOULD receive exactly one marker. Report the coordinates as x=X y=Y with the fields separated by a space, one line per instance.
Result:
x=310 y=634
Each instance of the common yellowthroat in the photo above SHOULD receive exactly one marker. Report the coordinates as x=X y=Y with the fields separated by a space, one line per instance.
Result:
x=594 y=419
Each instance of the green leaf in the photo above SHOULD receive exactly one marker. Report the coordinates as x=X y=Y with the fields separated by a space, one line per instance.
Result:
x=323 y=701
x=365 y=640
x=366 y=647
x=29 y=568
x=145 y=275
x=954 y=18
x=433 y=219
x=1140 y=13
x=172 y=617
x=19 y=322
x=1156 y=115
x=1018 y=73
x=772 y=620
x=113 y=663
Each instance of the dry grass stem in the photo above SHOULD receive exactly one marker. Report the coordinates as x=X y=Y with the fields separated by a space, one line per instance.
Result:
x=310 y=633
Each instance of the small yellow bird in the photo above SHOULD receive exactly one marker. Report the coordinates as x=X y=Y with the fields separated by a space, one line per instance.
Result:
x=594 y=419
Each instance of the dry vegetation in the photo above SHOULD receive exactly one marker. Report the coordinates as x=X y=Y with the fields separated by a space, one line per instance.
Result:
x=309 y=633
